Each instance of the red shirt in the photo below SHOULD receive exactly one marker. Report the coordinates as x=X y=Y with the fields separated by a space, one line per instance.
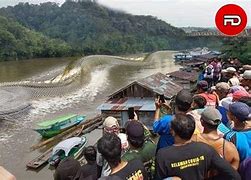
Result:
x=211 y=99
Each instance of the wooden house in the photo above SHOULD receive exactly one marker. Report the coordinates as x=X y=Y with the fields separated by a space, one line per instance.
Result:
x=186 y=79
x=139 y=94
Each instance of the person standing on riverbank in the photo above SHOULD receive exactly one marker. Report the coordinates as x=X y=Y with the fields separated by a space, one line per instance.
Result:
x=67 y=169
x=110 y=148
x=161 y=125
x=246 y=80
x=210 y=119
x=240 y=134
x=190 y=160
x=88 y=171
x=140 y=147
x=110 y=125
x=209 y=74
x=204 y=90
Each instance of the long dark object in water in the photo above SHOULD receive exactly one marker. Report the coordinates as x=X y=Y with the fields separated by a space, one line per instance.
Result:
x=43 y=158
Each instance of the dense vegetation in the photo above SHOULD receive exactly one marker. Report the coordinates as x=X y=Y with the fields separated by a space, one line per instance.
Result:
x=85 y=27
x=17 y=41
x=238 y=47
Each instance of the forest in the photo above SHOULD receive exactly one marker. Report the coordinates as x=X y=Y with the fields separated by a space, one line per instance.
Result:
x=85 y=27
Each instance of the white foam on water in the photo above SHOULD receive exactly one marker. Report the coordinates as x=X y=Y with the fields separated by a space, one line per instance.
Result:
x=97 y=83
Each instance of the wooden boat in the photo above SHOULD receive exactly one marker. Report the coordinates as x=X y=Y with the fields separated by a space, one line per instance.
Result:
x=53 y=127
x=40 y=160
x=69 y=147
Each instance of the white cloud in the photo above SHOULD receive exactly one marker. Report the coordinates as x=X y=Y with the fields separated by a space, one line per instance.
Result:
x=176 y=12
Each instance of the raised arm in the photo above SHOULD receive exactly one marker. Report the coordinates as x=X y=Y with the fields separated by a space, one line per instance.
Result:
x=157 y=111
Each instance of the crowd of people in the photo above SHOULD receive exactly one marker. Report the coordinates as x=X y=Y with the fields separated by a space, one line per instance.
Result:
x=207 y=135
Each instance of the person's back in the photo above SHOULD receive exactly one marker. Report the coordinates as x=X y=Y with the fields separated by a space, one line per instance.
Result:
x=242 y=141
x=183 y=101
x=240 y=135
x=210 y=120
x=90 y=170
x=211 y=99
x=203 y=90
x=139 y=148
x=224 y=148
x=133 y=170
x=187 y=159
x=67 y=169
x=161 y=127
x=110 y=147
x=145 y=153
x=190 y=161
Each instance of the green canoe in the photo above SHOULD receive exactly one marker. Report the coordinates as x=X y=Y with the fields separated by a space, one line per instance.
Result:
x=50 y=128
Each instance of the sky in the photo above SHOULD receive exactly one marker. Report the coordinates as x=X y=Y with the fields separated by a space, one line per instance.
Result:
x=180 y=13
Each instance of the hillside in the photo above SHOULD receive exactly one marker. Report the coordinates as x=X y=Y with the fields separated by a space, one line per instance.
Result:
x=90 y=28
x=18 y=42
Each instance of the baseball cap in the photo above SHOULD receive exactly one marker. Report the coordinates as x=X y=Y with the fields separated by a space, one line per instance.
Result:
x=203 y=85
x=183 y=100
x=239 y=94
x=231 y=69
x=110 y=122
x=240 y=110
x=222 y=86
x=135 y=130
x=225 y=102
x=236 y=88
x=247 y=75
x=211 y=116
x=246 y=67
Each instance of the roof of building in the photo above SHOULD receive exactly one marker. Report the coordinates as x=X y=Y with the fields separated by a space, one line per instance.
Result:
x=205 y=57
x=158 y=83
x=122 y=104
x=193 y=63
x=189 y=76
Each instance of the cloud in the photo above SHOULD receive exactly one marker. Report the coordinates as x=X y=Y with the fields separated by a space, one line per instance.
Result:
x=179 y=13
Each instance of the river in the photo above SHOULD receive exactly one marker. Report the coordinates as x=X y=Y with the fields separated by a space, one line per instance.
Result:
x=90 y=90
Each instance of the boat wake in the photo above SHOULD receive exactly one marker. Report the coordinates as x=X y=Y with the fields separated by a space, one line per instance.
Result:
x=87 y=93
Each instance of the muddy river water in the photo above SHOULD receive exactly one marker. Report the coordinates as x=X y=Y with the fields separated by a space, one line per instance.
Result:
x=91 y=89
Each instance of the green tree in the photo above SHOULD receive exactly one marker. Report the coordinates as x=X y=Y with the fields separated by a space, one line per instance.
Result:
x=236 y=47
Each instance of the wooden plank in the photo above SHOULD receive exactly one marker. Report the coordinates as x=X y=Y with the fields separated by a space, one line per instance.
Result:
x=40 y=160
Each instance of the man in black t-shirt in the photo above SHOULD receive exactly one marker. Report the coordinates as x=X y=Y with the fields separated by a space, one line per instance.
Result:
x=67 y=169
x=110 y=148
x=190 y=160
x=88 y=171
